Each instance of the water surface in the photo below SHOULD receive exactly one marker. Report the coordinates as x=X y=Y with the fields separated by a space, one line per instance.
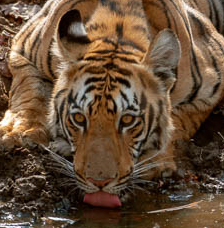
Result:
x=205 y=211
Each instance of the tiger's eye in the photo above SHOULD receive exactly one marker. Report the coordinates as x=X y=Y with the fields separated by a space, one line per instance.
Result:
x=127 y=119
x=79 y=118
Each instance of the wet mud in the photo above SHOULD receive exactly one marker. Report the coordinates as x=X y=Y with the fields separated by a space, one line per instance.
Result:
x=27 y=184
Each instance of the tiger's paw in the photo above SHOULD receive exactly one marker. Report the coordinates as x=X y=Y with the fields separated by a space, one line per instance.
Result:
x=61 y=146
x=164 y=170
x=15 y=130
x=161 y=165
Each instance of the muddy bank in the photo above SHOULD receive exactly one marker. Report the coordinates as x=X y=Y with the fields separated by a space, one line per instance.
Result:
x=28 y=184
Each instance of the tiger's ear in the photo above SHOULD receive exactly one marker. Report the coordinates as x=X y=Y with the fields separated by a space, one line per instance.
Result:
x=72 y=29
x=163 y=56
x=72 y=38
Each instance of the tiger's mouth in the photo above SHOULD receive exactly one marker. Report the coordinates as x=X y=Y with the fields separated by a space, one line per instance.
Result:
x=102 y=199
x=99 y=196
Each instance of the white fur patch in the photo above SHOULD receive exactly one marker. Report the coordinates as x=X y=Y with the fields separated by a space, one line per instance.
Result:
x=7 y=119
x=60 y=146
x=77 y=29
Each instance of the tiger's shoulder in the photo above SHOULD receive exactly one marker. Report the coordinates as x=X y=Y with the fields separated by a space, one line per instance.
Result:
x=37 y=40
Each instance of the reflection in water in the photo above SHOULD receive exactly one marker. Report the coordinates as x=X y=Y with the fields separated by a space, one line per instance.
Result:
x=137 y=214
x=208 y=213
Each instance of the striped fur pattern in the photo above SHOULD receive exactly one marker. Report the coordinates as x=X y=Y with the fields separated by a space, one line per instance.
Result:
x=115 y=83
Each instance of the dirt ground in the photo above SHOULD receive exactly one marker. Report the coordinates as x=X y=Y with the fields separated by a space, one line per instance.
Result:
x=26 y=182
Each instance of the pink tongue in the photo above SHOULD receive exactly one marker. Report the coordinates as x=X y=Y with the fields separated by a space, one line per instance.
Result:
x=102 y=199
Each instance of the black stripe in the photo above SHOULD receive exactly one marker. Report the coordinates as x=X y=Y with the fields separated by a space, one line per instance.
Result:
x=18 y=86
x=70 y=97
x=90 y=88
x=95 y=58
x=135 y=99
x=25 y=40
x=207 y=103
x=36 y=39
x=132 y=108
x=217 y=24
x=123 y=71
x=151 y=115
x=27 y=101
x=38 y=49
x=21 y=66
x=94 y=79
x=130 y=44
x=25 y=29
x=119 y=30
x=95 y=70
x=57 y=115
x=179 y=118
x=217 y=85
x=135 y=9
x=195 y=106
x=108 y=41
x=73 y=100
x=166 y=14
x=196 y=85
x=134 y=5
x=185 y=20
x=76 y=3
x=78 y=39
x=127 y=60
x=137 y=133
x=215 y=65
x=164 y=9
x=104 y=51
x=143 y=102
x=123 y=177
x=211 y=11
x=115 y=106
x=194 y=124
x=49 y=60
x=113 y=7
x=59 y=93
x=123 y=81
x=82 y=67
x=124 y=96
x=200 y=26
x=139 y=28
x=61 y=108
x=95 y=27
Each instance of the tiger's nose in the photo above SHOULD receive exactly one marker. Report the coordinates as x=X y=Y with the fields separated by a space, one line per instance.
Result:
x=100 y=183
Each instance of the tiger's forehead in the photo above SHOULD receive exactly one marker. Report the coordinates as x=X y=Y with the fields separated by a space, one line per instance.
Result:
x=111 y=88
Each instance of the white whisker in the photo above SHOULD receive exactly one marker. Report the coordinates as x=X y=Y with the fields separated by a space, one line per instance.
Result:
x=147 y=159
x=146 y=168
x=134 y=186
x=142 y=181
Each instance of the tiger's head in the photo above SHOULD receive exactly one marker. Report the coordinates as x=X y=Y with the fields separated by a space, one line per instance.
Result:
x=113 y=106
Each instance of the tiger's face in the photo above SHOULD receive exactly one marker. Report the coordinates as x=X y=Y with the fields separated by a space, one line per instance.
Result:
x=109 y=120
x=113 y=116
x=113 y=111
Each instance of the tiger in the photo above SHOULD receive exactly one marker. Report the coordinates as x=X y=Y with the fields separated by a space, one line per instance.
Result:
x=115 y=83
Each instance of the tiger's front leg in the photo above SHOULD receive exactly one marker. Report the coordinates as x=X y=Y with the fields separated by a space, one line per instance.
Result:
x=25 y=120
x=187 y=119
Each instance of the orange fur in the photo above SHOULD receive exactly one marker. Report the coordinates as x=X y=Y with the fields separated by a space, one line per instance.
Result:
x=105 y=59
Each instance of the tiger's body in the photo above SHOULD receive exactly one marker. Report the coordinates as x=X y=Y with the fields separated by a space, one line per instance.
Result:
x=109 y=81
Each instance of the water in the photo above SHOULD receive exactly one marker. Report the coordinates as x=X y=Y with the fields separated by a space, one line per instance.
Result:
x=205 y=211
